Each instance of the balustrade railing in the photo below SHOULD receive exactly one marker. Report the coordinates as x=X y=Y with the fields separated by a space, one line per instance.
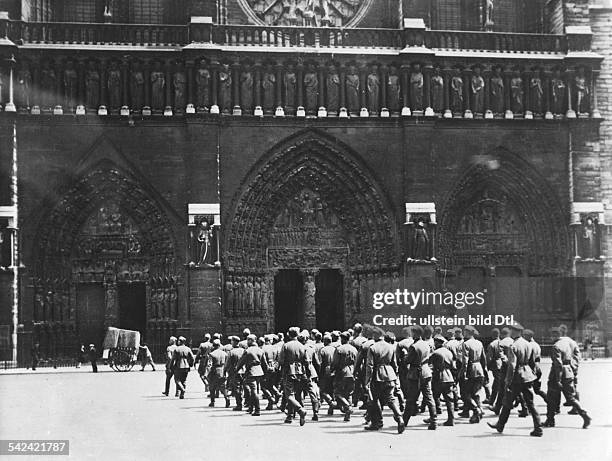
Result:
x=274 y=36
x=495 y=41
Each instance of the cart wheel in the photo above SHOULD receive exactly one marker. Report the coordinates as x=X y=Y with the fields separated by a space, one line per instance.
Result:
x=121 y=360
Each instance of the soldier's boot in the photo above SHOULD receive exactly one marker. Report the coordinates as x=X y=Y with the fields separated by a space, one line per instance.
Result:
x=432 y=425
x=497 y=427
x=537 y=432
x=270 y=405
x=475 y=418
x=464 y=414
x=586 y=419
x=550 y=422
x=449 y=422
x=237 y=408
x=501 y=422
x=212 y=403
x=302 y=413
x=347 y=414
x=315 y=416
x=406 y=416
x=289 y=419
x=400 y=424
x=227 y=403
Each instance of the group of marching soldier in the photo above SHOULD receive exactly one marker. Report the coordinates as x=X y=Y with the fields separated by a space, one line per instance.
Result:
x=366 y=364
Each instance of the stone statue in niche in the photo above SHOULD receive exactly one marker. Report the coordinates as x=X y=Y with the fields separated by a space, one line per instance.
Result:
x=290 y=80
x=373 y=85
x=113 y=85
x=179 y=85
x=353 y=90
x=158 y=86
x=137 y=83
x=237 y=296
x=268 y=84
x=437 y=91
x=488 y=19
x=202 y=79
x=204 y=239
x=558 y=92
x=355 y=293
x=265 y=295
x=310 y=291
x=478 y=88
x=516 y=92
x=311 y=88
x=225 y=88
x=420 y=241
x=256 y=294
x=92 y=86
x=48 y=82
x=393 y=90
x=70 y=84
x=24 y=84
x=229 y=294
x=173 y=313
x=416 y=88
x=457 y=93
x=589 y=239
x=246 y=89
x=497 y=91
x=582 y=92
x=249 y=290
x=536 y=93
x=333 y=89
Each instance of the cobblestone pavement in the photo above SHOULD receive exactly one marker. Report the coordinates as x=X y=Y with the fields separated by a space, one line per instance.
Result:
x=123 y=416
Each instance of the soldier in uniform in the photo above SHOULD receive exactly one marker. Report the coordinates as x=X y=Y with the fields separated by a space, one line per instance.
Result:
x=182 y=361
x=326 y=379
x=245 y=334
x=269 y=384
x=380 y=382
x=292 y=359
x=537 y=356
x=504 y=344
x=360 y=361
x=254 y=361
x=419 y=378
x=357 y=342
x=518 y=380
x=202 y=357
x=234 y=374
x=493 y=364
x=169 y=370
x=442 y=381
x=343 y=367
x=454 y=345
x=401 y=354
x=215 y=371
x=473 y=373
x=561 y=377
x=309 y=384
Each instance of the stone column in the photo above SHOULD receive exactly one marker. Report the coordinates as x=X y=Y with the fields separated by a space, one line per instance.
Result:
x=527 y=93
x=569 y=84
x=214 y=76
x=546 y=109
x=299 y=75
x=467 y=93
x=343 y=111
x=363 y=72
x=280 y=112
x=405 y=92
x=125 y=70
x=169 y=89
x=427 y=70
x=147 y=84
x=508 y=93
x=258 y=109
x=384 y=80
x=447 y=75
x=235 y=70
x=190 y=99
x=111 y=313
x=486 y=75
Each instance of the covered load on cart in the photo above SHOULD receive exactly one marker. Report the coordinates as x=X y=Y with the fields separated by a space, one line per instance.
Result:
x=120 y=348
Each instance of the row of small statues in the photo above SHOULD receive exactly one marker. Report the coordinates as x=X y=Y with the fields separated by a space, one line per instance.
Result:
x=164 y=303
x=247 y=88
x=247 y=295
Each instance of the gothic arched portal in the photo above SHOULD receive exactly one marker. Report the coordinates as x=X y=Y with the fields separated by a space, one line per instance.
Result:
x=310 y=205
x=105 y=255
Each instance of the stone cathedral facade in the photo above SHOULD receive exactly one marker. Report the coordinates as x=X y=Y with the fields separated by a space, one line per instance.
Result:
x=182 y=167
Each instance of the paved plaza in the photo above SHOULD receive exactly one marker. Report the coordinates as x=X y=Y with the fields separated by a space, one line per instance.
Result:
x=123 y=416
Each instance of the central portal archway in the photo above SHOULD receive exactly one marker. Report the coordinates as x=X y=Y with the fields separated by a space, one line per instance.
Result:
x=311 y=207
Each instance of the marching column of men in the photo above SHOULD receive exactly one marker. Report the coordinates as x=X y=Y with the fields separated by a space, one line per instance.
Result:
x=366 y=364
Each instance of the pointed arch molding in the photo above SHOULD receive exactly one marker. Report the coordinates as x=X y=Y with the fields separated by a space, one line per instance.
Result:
x=540 y=211
x=313 y=161
x=102 y=183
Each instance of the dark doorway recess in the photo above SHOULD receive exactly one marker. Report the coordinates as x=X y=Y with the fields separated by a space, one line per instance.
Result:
x=133 y=307
x=288 y=295
x=91 y=302
x=329 y=300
